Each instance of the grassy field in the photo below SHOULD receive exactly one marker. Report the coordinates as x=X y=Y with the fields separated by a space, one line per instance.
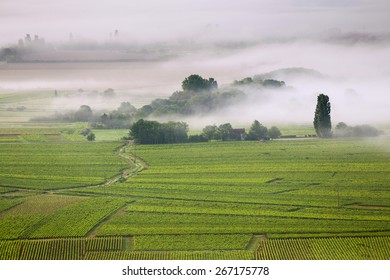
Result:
x=48 y=166
x=287 y=199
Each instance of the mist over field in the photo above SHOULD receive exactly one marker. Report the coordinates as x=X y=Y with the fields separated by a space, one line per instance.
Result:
x=339 y=48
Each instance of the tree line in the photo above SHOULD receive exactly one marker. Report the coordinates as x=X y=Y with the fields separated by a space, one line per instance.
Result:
x=153 y=132
x=198 y=95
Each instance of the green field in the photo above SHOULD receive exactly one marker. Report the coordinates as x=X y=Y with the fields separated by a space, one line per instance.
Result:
x=48 y=166
x=287 y=199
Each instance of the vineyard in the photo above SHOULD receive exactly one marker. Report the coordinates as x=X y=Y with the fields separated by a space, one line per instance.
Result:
x=336 y=248
x=114 y=248
x=297 y=199
x=48 y=166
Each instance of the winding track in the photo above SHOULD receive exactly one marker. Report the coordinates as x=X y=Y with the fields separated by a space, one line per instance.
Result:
x=136 y=165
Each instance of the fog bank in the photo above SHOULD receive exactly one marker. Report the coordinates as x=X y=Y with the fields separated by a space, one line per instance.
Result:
x=344 y=44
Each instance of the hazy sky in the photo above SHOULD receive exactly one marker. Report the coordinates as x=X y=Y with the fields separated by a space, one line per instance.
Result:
x=149 y=20
x=346 y=40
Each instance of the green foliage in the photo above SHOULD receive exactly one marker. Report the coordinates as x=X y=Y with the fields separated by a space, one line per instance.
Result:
x=145 y=132
x=197 y=83
x=256 y=81
x=245 y=81
x=210 y=132
x=192 y=102
x=322 y=122
x=83 y=114
x=123 y=117
x=224 y=131
x=198 y=96
x=273 y=83
x=153 y=132
x=274 y=132
x=197 y=138
x=257 y=131
x=91 y=136
x=144 y=111
x=343 y=130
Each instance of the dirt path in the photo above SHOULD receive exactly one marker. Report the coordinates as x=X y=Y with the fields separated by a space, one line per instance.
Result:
x=136 y=165
x=255 y=244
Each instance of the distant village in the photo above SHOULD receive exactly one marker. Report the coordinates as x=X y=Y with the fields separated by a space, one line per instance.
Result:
x=35 y=48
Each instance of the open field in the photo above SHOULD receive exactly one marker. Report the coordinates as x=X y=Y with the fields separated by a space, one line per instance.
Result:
x=47 y=166
x=289 y=199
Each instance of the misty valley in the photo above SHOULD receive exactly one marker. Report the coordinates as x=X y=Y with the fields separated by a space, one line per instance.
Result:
x=195 y=141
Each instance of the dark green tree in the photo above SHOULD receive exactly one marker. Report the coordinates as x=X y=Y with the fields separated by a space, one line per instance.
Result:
x=210 y=132
x=146 y=132
x=257 y=131
x=322 y=123
x=83 y=114
x=174 y=132
x=195 y=82
x=109 y=93
x=126 y=108
x=343 y=130
x=153 y=132
x=144 y=111
x=91 y=136
x=224 y=131
x=273 y=83
x=274 y=132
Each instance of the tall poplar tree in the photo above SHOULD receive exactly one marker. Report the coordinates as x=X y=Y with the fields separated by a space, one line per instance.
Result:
x=322 y=123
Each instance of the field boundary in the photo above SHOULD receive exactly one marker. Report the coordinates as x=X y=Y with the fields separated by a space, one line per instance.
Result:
x=93 y=232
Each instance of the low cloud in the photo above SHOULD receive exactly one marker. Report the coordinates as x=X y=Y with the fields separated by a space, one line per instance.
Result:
x=347 y=42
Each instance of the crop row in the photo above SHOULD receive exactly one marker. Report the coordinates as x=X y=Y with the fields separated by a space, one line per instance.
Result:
x=78 y=219
x=191 y=242
x=253 y=209
x=304 y=188
x=172 y=255
x=336 y=248
x=8 y=203
x=57 y=249
x=53 y=165
x=48 y=216
x=153 y=223
x=345 y=248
